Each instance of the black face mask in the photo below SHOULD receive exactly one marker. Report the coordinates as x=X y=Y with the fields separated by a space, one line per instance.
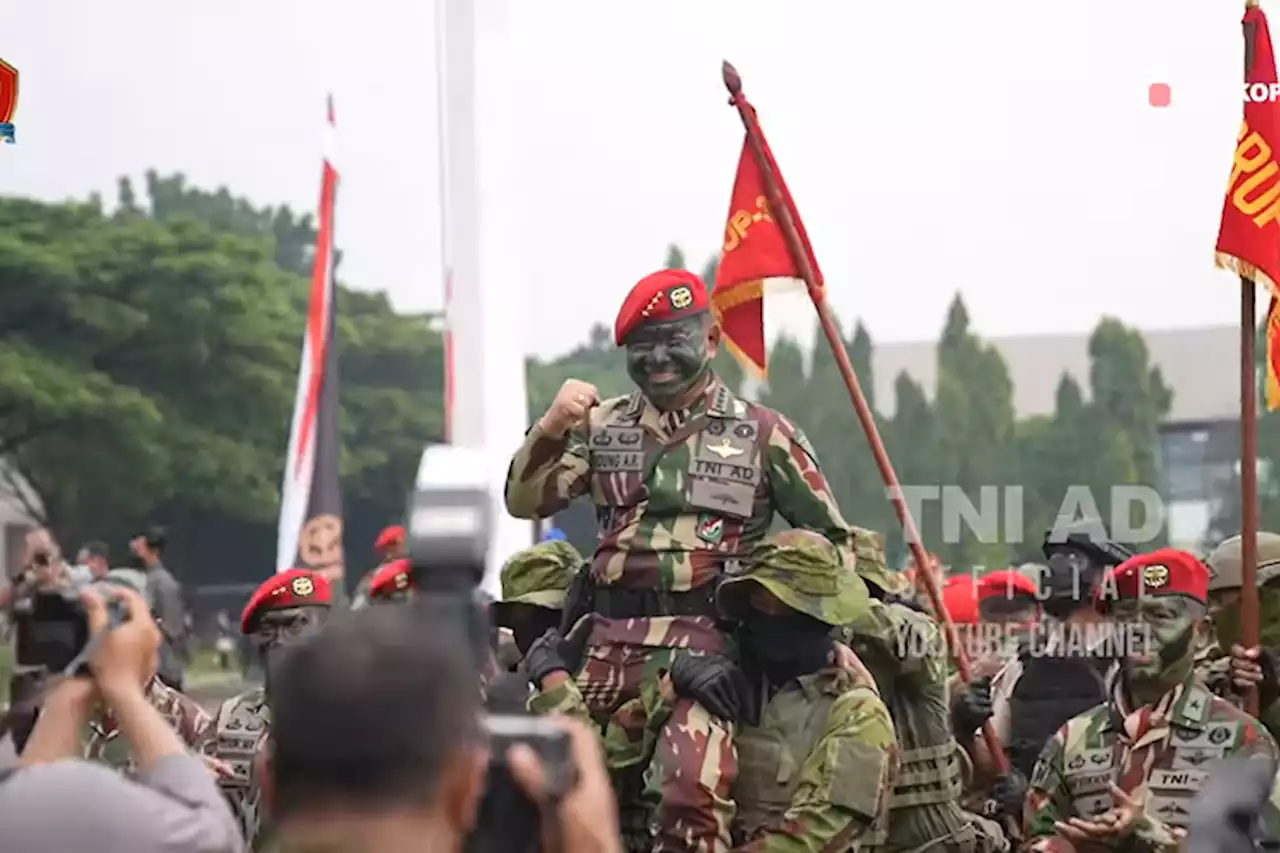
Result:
x=787 y=646
x=666 y=360
x=531 y=622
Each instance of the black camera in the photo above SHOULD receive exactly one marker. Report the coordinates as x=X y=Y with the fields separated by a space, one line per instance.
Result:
x=52 y=629
x=449 y=524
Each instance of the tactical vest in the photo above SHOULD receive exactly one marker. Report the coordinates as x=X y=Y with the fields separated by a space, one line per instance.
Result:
x=239 y=732
x=1050 y=691
x=771 y=755
x=723 y=475
x=924 y=808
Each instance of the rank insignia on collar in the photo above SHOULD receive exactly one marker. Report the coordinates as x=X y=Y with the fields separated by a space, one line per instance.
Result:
x=1155 y=576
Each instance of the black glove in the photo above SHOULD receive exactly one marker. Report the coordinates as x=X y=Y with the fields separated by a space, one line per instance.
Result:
x=1009 y=793
x=713 y=681
x=971 y=709
x=553 y=652
x=544 y=658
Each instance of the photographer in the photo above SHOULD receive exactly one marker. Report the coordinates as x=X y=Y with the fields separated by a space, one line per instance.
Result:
x=377 y=744
x=56 y=802
x=43 y=570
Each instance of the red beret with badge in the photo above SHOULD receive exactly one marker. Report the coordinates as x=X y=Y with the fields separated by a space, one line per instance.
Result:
x=663 y=295
x=395 y=578
x=287 y=589
x=390 y=537
x=1165 y=571
x=1005 y=583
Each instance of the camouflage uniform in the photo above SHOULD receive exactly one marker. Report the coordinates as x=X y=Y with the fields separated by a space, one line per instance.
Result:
x=699 y=487
x=1213 y=661
x=1164 y=752
x=816 y=771
x=287 y=606
x=535 y=578
x=188 y=719
x=924 y=809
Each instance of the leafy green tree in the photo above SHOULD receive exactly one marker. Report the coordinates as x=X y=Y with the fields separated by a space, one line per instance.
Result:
x=975 y=433
x=912 y=442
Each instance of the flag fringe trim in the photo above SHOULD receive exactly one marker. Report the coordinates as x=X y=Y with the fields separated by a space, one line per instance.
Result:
x=732 y=297
x=744 y=361
x=1244 y=269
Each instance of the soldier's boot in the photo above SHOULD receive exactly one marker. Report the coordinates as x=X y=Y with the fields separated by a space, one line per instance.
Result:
x=693 y=770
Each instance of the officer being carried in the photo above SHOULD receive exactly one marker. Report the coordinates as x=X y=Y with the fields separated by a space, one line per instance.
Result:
x=1123 y=775
x=287 y=607
x=685 y=477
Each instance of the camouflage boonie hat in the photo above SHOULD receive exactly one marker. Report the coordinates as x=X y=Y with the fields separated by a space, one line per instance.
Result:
x=540 y=575
x=868 y=550
x=803 y=571
x=1226 y=561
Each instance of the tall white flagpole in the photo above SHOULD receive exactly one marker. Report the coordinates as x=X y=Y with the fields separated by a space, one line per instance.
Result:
x=481 y=254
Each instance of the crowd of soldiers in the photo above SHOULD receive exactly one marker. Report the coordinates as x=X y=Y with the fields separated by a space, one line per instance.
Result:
x=754 y=691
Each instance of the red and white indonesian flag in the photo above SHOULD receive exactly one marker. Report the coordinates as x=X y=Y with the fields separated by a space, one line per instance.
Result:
x=311 y=496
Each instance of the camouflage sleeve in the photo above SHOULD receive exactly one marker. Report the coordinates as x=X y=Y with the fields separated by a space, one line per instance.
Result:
x=896 y=632
x=547 y=473
x=799 y=490
x=844 y=783
x=1048 y=800
x=564 y=699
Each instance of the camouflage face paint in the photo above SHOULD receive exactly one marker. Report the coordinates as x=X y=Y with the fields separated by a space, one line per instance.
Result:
x=1170 y=622
x=1226 y=618
x=284 y=627
x=666 y=360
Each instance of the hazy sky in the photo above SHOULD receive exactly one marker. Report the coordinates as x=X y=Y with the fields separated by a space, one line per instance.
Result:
x=1004 y=149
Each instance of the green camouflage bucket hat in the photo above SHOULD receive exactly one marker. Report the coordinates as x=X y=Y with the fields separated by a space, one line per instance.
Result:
x=1226 y=562
x=540 y=575
x=803 y=571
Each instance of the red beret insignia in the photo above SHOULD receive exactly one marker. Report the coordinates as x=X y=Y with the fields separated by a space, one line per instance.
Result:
x=663 y=295
x=390 y=579
x=292 y=588
x=1165 y=571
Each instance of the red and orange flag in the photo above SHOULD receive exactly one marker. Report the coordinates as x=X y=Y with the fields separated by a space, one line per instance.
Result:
x=754 y=249
x=1249 y=236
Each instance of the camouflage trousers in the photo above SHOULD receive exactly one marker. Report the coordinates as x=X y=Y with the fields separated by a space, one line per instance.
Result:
x=673 y=793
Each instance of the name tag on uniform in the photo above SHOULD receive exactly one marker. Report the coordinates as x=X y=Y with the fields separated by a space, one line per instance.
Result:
x=615 y=449
x=1177 y=780
x=1089 y=783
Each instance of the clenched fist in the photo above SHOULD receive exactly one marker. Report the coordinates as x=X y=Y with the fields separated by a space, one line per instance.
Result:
x=574 y=399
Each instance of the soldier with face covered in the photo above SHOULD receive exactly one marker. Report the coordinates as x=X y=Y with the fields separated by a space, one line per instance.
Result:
x=286 y=608
x=685 y=476
x=1223 y=664
x=1122 y=776
x=534 y=584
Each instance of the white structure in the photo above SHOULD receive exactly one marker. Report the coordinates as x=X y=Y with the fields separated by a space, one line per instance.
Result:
x=481 y=259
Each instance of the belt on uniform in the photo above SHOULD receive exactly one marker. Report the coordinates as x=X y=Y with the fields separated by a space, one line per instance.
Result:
x=622 y=603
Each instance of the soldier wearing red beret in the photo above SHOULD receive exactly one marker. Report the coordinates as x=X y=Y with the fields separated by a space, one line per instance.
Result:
x=389 y=547
x=286 y=608
x=1123 y=775
x=684 y=475
x=392 y=582
x=1007 y=597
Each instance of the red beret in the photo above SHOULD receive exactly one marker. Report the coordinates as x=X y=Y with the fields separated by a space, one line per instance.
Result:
x=389 y=537
x=292 y=588
x=663 y=295
x=1166 y=571
x=1005 y=583
x=960 y=599
x=394 y=577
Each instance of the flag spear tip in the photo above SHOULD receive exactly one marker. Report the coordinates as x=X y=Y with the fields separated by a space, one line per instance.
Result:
x=1249 y=4
x=732 y=81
